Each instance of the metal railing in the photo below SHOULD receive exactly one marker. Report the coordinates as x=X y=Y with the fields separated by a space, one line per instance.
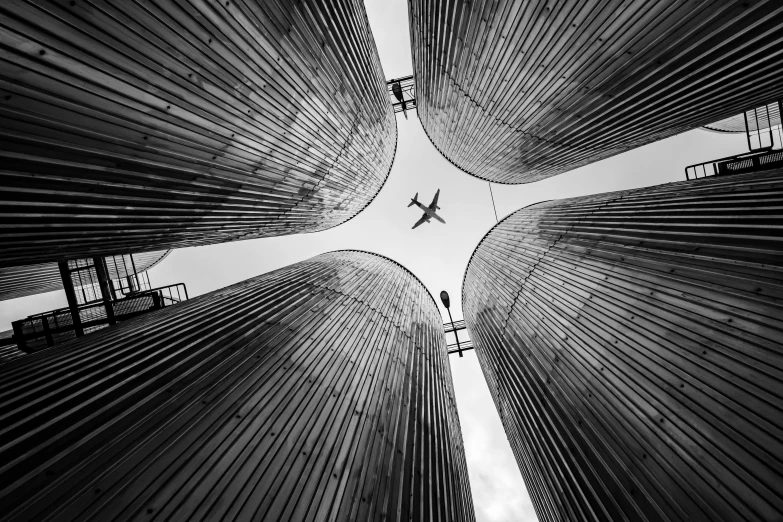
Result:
x=764 y=134
x=463 y=346
x=742 y=163
x=50 y=328
x=459 y=346
x=758 y=128
x=173 y=294
x=458 y=325
x=402 y=93
x=131 y=284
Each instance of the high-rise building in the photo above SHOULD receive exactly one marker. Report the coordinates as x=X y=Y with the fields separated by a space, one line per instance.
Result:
x=633 y=345
x=321 y=390
x=136 y=126
x=515 y=92
x=21 y=281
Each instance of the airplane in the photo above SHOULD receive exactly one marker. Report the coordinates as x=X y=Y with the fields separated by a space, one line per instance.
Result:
x=429 y=212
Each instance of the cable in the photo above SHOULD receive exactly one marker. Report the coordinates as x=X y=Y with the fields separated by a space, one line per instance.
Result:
x=493 y=201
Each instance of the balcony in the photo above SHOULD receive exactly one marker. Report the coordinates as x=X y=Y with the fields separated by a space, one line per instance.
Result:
x=50 y=328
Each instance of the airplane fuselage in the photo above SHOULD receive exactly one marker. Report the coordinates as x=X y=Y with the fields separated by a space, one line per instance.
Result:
x=429 y=210
x=430 y=213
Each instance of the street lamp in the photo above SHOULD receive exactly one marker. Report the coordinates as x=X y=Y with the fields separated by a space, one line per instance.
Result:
x=444 y=297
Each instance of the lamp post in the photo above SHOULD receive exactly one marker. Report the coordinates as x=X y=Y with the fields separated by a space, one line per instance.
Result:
x=444 y=297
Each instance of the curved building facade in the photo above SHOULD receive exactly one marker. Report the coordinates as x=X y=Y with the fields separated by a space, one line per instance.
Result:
x=516 y=92
x=153 y=125
x=765 y=117
x=319 y=391
x=21 y=281
x=632 y=342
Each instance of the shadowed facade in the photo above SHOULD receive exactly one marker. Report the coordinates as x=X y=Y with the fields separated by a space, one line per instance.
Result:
x=149 y=125
x=319 y=391
x=632 y=345
x=516 y=92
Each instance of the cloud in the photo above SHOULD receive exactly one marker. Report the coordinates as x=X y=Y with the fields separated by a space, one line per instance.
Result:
x=499 y=493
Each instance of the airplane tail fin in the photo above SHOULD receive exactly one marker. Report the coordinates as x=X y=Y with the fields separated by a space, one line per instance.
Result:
x=414 y=200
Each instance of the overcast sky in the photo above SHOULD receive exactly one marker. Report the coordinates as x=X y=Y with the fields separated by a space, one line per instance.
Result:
x=436 y=253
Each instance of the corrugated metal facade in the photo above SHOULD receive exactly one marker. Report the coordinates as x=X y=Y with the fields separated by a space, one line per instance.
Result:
x=320 y=391
x=20 y=281
x=8 y=350
x=128 y=264
x=144 y=125
x=632 y=345
x=10 y=353
x=515 y=92
x=769 y=116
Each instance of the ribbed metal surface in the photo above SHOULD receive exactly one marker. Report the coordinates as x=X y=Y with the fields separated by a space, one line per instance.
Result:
x=129 y=264
x=143 y=125
x=632 y=345
x=320 y=391
x=736 y=123
x=516 y=91
x=20 y=281
x=10 y=352
x=8 y=349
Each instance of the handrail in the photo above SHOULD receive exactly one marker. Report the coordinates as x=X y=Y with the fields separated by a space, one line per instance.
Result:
x=459 y=324
x=748 y=162
x=93 y=304
x=58 y=325
x=405 y=97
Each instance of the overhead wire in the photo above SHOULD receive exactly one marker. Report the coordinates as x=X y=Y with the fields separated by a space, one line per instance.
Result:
x=493 y=201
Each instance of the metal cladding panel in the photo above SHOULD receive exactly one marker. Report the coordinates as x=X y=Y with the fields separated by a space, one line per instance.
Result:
x=9 y=352
x=123 y=266
x=21 y=281
x=144 y=125
x=321 y=390
x=632 y=343
x=515 y=92
x=736 y=123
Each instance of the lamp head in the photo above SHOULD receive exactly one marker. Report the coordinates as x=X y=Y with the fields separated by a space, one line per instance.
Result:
x=444 y=297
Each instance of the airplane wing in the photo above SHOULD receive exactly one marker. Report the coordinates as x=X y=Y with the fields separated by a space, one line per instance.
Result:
x=434 y=204
x=423 y=219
